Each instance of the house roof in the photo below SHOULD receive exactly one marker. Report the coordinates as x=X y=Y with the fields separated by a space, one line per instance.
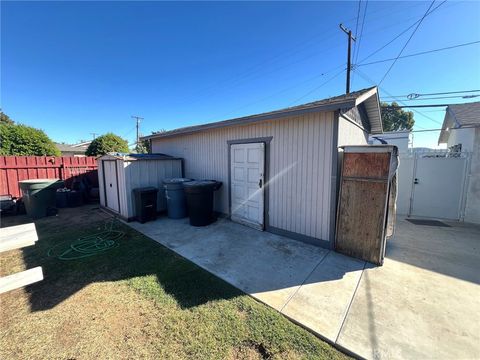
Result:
x=458 y=116
x=367 y=96
x=69 y=148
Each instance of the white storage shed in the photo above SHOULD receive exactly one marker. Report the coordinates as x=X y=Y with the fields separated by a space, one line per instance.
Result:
x=119 y=174
x=279 y=169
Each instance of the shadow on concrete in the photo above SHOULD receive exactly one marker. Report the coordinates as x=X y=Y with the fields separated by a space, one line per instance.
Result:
x=452 y=251
x=135 y=256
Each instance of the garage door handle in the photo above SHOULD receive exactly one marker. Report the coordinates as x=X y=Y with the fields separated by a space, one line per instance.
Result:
x=260 y=183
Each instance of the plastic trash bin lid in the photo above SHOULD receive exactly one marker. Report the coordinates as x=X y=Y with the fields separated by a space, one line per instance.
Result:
x=199 y=183
x=176 y=180
x=145 y=189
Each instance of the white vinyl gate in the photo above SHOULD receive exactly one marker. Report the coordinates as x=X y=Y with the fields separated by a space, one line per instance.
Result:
x=432 y=187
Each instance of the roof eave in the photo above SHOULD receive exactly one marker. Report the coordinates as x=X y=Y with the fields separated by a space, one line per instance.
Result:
x=253 y=118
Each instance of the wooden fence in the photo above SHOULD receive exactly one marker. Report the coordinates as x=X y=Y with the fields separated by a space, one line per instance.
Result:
x=16 y=168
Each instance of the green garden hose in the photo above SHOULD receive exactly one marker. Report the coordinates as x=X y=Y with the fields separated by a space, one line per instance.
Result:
x=89 y=245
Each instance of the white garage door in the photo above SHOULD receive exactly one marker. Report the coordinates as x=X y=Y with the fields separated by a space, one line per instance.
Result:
x=247 y=180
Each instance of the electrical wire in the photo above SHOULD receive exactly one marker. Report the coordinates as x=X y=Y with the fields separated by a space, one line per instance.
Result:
x=442 y=97
x=367 y=78
x=420 y=53
x=316 y=88
x=359 y=39
x=415 y=95
x=400 y=34
x=406 y=43
x=283 y=90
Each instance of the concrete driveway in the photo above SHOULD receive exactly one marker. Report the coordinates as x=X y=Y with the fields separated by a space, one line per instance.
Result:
x=423 y=303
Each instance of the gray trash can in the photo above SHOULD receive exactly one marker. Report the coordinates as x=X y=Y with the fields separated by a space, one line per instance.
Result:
x=39 y=196
x=176 y=203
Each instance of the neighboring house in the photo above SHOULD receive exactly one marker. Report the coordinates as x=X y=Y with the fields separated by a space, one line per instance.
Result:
x=279 y=169
x=461 y=132
x=403 y=140
x=73 y=149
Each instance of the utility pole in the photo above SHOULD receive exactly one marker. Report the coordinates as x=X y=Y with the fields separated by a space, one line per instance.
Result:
x=349 y=61
x=138 y=118
x=94 y=135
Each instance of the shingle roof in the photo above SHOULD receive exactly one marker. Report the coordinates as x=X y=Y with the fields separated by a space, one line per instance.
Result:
x=459 y=115
x=369 y=96
x=69 y=148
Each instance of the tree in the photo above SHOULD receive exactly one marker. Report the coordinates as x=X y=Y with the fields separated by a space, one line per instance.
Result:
x=5 y=119
x=107 y=143
x=394 y=118
x=22 y=140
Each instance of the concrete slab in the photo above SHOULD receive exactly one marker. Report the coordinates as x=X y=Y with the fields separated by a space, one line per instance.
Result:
x=427 y=310
x=423 y=302
x=266 y=266
x=322 y=302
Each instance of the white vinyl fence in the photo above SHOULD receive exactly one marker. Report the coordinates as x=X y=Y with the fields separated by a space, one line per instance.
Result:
x=432 y=185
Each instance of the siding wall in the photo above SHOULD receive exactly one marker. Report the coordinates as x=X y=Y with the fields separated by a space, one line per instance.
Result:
x=143 y=173
x=136 y=174
x=350 y=134
x=300 y=167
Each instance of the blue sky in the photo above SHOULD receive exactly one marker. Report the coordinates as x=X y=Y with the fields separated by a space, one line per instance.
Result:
x=73 y=68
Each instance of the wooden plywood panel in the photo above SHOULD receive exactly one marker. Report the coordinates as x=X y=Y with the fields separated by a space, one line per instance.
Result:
x=371 y=165
x=361 y=219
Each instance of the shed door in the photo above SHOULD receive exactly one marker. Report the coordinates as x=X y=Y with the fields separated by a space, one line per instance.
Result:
x=247 y=179
x=111 y=184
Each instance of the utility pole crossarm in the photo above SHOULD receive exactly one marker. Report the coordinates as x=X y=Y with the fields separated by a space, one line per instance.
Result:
x=349 y=61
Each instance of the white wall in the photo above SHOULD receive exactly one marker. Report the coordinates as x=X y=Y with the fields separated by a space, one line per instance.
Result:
x=466 y=137
x=300 y=167
x=400 y=139
x=472 y=207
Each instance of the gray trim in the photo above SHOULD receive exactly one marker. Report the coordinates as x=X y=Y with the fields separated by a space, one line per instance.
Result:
x=299 y=237
x=266 y=175
x=254 y=118
x=118 y=189
x=334 y=184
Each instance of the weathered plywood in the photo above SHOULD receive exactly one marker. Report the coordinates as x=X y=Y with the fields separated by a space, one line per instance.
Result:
x=361 y=219
x=369 y=165
x=362 y=208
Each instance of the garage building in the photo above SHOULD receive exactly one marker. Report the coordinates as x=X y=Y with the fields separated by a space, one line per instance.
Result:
x=279 y=169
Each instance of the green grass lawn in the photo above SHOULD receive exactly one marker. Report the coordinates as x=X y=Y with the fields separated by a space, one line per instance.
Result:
x=136 y=300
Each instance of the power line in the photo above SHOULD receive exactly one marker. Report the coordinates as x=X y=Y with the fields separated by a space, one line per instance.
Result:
x=415 y=95
x=357 y=47
x=317 y=87
x=410 y=38
x=442 y=97
x=283 y=90
x=400 y=34
x=420 y=53
x=401 y=102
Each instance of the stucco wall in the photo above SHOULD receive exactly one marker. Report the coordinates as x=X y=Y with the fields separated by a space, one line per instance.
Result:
x=466 y=137
x=472 y=207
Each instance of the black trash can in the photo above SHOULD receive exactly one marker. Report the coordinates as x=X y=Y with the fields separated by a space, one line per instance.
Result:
x=176 y=203
x=199 y=194
x=145 y=203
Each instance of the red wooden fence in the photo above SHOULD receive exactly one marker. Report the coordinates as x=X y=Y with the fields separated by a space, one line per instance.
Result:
x=16 y=168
